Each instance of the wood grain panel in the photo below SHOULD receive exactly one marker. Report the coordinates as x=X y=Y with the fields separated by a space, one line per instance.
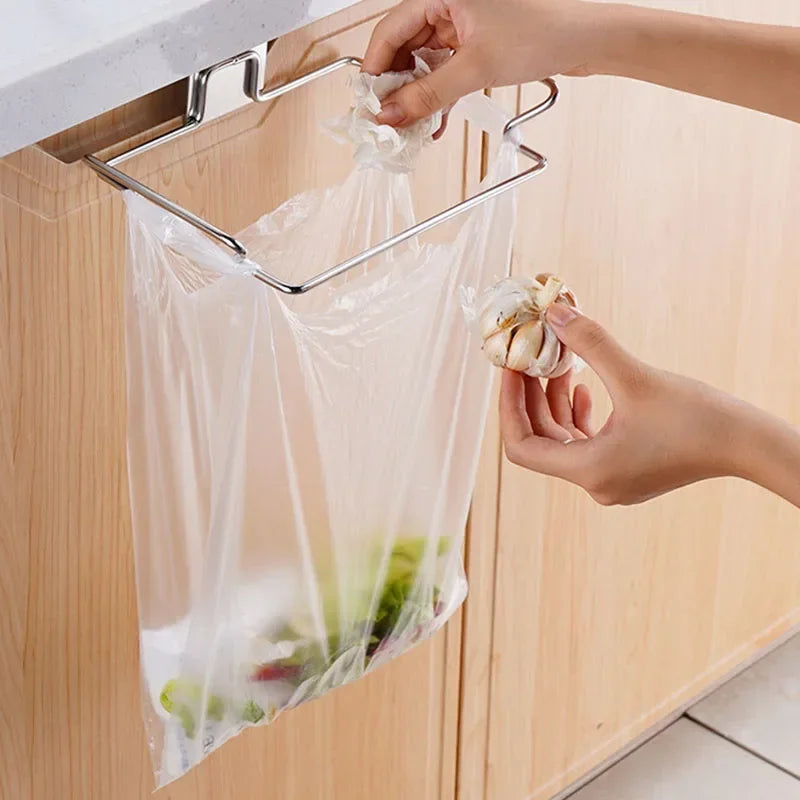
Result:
x=675 y=220
x=14 y=721
x=478 y=612
x=69 y=688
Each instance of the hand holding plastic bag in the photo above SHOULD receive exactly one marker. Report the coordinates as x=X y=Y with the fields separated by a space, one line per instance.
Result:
x=382 y=146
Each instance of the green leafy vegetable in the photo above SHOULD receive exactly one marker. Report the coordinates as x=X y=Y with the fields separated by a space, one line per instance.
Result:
x=313 y=654
x=252 y=712
x=182 y=698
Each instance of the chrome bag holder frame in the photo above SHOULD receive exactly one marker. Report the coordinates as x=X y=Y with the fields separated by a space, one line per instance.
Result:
x=254 y=68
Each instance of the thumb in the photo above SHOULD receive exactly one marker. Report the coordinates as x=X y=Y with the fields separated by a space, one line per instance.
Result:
x=594 y=344
x=458 y=76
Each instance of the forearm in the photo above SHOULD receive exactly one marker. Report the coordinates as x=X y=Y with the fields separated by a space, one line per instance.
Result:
x=756 y=66
x=766 y=450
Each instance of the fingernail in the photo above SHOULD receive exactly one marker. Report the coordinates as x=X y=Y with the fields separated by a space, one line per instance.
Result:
x=391 y=114
x=561 y=314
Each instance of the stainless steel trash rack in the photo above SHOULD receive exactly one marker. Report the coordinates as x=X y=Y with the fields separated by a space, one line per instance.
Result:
x=253 y=64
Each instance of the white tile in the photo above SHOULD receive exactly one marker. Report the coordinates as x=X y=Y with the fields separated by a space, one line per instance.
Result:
x=687 y=762
x=760 y=709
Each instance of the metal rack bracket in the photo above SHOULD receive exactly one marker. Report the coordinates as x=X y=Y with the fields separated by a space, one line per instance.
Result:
x=253 y=64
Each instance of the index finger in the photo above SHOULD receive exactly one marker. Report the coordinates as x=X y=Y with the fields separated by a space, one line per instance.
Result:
x=403 y=23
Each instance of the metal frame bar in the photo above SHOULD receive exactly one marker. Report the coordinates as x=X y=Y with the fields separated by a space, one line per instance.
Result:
x=253 y=82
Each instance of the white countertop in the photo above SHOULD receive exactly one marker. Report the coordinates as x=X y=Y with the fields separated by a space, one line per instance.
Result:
x=65 y=61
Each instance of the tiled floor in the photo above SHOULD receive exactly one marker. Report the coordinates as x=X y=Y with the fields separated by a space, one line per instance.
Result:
x=741 y=743
x=760 y=709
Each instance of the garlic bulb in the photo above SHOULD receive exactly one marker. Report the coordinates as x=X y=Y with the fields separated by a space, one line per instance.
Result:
x=511 y=318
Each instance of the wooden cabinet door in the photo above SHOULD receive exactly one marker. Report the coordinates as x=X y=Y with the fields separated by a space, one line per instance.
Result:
x=675 y=220
x=70 y=713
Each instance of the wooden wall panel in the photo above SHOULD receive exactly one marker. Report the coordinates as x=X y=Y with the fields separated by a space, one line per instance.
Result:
x=675 y=220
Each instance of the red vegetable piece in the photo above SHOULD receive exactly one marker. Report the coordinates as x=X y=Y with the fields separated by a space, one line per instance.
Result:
x=275 y=672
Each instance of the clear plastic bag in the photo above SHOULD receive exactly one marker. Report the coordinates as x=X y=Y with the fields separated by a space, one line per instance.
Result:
x=300 y=467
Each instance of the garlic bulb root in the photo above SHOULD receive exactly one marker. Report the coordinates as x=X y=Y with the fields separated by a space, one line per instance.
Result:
x=515 y=332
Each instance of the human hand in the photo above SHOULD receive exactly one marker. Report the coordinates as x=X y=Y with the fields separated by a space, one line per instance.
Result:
x=665 y=430
x=504 y=42
x=496 y=44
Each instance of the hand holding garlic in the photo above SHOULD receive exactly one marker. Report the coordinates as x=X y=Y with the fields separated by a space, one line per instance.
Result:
x=515 y=332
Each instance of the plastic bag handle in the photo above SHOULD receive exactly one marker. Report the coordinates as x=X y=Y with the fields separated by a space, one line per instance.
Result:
x=252 y=83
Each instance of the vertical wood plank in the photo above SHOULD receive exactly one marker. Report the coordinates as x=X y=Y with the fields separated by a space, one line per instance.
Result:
x=607 y=619
x=14 y=717
x=482 y=545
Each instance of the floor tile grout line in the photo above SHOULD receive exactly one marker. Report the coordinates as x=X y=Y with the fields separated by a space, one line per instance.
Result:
x=658 y=733
x=744 y=747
